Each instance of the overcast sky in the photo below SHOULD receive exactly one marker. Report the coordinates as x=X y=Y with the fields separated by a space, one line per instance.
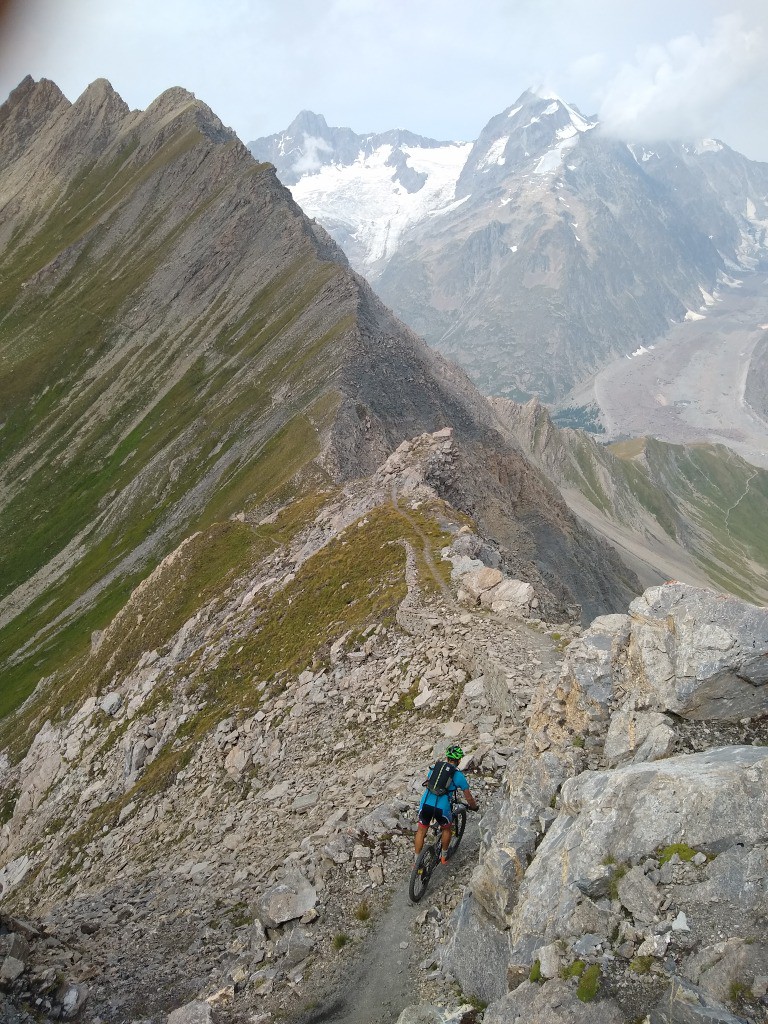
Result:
x=442 y=68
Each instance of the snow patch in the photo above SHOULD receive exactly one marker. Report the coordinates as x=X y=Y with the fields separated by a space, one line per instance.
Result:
x=494 y=156
x=553 y=159
x=690 y=315
x=513 y=248
x=642 y=351
x=707 y=146
x=365 y=202
x=503 y=202
x=645 y=154
x=709 y=300
x=515 y=111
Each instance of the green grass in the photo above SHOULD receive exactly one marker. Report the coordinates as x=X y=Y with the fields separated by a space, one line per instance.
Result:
x=356 y=580
x=683 y=850
x=181 y=403
x=363 y=911
x=589 y=984
x=641 y=964
x=574 y=970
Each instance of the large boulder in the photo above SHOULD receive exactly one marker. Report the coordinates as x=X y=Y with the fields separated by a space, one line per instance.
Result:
x=477 y=953
x=555 y=1002
x=700 y=654
x=291 y=898
x=713 y=801
x=196 y=1012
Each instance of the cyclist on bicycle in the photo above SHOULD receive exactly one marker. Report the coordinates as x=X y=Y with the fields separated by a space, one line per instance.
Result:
x=439 y=807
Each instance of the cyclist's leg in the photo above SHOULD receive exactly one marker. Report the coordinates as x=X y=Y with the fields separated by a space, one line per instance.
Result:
x=445 y=841
x=421 y=835
x=425 y=817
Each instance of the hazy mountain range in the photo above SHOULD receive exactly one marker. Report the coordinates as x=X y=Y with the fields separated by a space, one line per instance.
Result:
x=541 y=250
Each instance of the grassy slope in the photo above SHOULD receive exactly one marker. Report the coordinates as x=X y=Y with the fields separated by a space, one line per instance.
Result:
x=706 y=506
x=352 y=584
x=190 y=393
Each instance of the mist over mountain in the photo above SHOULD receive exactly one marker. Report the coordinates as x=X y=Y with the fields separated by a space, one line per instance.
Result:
x=546 y=248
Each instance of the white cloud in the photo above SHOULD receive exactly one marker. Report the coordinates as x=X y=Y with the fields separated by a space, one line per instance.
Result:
x=310 y=161
x=676 y=90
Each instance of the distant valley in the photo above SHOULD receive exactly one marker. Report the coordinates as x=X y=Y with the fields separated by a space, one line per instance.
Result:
x=693 y=384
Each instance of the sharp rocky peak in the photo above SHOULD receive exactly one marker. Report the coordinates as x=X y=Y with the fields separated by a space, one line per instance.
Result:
x=100 y=100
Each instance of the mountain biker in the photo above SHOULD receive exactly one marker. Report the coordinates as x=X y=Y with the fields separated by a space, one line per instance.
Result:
x=439 y=807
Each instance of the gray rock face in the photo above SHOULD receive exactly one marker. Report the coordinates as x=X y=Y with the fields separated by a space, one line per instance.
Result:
x=719 y=967
x=700 y=654
x=684 y=1003
x=552 y=1003
x=426 y=1014
x=635 y=736
x=478 y=954
x=196 y=1012
x=709 y=800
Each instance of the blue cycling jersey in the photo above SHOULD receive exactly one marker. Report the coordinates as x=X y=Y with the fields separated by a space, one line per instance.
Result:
x=443 y=803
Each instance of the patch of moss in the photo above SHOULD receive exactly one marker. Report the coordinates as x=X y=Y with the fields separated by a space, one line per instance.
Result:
x=7 y=804
x=616 y=876
x=589 y=984
x=574 y=970
x=683 y=850
x=641 y=964
x=535 y=972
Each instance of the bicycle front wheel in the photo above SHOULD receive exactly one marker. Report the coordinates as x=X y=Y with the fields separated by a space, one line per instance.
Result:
x=459 y=824
x=422 y=870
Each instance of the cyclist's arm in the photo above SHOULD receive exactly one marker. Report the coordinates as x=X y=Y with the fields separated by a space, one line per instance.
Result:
x=470 y=800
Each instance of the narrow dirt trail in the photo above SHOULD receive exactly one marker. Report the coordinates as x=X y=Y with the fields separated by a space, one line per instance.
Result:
x=384 y=976
x=445 y=590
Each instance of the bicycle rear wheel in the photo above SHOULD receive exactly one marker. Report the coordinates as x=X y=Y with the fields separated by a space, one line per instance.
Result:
x=422 y=870
x=459 y=824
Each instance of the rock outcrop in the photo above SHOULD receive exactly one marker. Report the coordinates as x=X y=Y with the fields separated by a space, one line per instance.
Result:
x=646 y=873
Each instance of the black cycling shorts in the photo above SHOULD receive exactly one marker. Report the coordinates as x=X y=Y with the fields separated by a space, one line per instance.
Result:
x=427 y=813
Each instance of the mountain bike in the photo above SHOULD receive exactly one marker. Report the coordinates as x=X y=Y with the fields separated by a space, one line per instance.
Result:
x=429 y=857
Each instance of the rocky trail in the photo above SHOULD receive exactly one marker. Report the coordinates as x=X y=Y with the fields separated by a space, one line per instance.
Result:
x=387 y=973
x=259 y=873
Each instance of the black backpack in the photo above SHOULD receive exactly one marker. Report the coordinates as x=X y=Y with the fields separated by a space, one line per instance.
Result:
x=440 y=778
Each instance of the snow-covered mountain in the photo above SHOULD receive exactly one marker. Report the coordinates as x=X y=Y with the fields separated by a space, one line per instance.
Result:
x=543 y=249
x=367 y=190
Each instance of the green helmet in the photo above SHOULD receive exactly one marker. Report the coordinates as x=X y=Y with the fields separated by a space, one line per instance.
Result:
x=454 y=753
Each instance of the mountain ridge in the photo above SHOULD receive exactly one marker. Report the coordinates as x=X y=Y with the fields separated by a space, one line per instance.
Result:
x=548 y=248
x=190 y=339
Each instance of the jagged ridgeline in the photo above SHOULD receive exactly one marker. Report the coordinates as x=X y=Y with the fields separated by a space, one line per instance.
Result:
x=180 y=345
